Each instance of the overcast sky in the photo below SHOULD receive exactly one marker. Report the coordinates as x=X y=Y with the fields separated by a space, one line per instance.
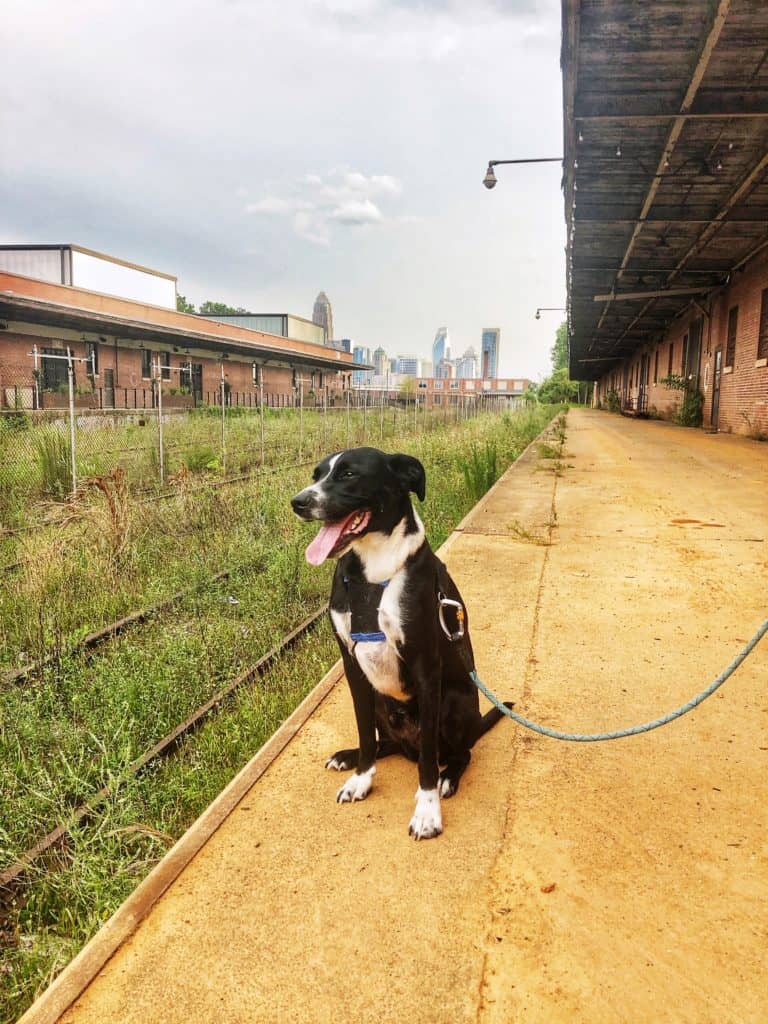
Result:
x=264 y=150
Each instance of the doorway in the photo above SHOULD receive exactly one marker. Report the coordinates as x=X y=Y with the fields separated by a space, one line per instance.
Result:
x=714 y=415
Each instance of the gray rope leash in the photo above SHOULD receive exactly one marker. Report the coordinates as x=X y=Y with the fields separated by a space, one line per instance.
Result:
x=635 y=729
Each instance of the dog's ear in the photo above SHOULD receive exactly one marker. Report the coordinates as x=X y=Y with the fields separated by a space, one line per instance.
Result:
x=410 y=473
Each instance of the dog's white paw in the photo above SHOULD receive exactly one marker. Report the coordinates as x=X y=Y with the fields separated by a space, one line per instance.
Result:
x=357 y=786
x=446 y=787
x=427 y=820
x=338 y=765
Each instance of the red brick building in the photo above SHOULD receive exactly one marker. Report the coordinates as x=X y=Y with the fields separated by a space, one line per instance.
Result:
x=132 y=341
x=453 y=390
x=666 y=202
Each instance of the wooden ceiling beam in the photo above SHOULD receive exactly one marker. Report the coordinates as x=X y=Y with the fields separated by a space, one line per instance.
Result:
x=722 y=115
x=719 y=220
x=715 y=28
x=658 y=293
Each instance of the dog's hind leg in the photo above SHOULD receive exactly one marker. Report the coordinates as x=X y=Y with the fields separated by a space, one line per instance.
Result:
x=490 y=718
x=343 y=760
x=455 y=766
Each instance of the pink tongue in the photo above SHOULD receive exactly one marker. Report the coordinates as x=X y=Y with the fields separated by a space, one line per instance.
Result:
x=325 y=541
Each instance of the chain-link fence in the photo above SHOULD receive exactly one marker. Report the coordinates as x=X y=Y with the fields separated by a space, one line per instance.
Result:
x=52 y=441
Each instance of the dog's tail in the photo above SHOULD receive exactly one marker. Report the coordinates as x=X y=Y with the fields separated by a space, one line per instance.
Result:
x=490 y=718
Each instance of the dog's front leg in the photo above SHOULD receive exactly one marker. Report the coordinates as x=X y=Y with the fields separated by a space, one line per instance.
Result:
x=427 y=820
x=358 y=785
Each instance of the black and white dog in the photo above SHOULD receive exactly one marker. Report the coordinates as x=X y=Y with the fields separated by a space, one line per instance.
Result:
x=410 y=681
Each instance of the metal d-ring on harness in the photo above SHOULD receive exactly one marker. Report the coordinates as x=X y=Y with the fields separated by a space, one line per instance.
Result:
x=444 y=602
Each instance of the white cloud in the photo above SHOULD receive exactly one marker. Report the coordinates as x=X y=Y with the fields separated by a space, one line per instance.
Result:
x=341 y=198
x=357 y=211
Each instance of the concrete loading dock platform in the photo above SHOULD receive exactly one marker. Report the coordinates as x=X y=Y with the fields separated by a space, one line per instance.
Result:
x=623 y=881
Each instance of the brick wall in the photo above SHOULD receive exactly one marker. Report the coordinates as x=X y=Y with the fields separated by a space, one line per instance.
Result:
x=743 y=405
x=133 y=387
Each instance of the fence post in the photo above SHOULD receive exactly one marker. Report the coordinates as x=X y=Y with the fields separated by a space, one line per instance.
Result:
x=223 y=425
x=261 y=410
x=301 y=415
x=349 y=399
x=71 y=381
x=158 y=382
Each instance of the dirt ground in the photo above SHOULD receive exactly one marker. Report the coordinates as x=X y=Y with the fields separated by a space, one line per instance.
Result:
x=623 y=881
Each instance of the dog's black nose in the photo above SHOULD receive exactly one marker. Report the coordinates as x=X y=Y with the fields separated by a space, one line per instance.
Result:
x=302 y=502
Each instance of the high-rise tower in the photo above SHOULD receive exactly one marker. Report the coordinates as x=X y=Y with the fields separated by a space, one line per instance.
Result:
x=441 y=347
x=489 y=353
x=323 y=314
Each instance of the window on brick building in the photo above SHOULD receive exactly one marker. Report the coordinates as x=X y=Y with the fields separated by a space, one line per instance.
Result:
x=656 y=367
x=684 y=360
x=53 y=372
x=762 y=337
x=146 y=363
x=730 y=343
x=671 y=354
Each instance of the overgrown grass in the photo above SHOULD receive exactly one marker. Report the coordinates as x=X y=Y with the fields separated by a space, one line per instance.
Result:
x=53 y=456
x=79 y=724
x=480 y=468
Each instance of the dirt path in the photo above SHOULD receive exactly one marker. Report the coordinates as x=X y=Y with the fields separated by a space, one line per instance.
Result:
x=624 y=881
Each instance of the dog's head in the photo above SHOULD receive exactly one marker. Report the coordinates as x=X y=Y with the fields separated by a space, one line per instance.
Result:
x=356 y=492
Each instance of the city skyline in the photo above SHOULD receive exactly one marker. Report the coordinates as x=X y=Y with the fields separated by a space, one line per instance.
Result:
x=314 y=197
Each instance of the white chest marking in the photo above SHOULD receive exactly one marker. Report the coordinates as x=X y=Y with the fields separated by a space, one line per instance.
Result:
x=384 y=554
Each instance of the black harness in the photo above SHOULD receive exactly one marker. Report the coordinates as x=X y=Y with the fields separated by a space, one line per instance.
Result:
x=364 y=601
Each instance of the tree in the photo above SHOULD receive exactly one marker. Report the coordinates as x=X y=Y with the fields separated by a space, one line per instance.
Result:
x=183 y=306
x=220 y=308
x=408 y=388
x=559 y=351
x=558 y=388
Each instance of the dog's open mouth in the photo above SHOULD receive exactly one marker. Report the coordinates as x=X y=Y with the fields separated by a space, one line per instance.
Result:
x=333 y=537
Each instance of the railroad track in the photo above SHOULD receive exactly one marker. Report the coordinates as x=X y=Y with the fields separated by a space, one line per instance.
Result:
x=100 y=636
x=14 y=878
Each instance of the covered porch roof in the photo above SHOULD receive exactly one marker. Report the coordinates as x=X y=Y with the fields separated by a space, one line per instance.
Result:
x=665 y=163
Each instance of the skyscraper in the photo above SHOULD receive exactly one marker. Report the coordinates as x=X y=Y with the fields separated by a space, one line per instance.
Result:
x=409 y=365
x=466 y=365
x=323 y=314
x=381 y=362
x=441 y=346
x=361 y=354
x=489 y=353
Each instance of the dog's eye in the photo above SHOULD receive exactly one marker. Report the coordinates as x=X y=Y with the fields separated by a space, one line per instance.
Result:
x=348 y=474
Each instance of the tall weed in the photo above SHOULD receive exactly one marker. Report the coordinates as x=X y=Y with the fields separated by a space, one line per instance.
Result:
x=53 y=456
x=480 y=468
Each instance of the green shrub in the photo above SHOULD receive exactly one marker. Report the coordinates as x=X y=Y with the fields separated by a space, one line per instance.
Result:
x=201 y=459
